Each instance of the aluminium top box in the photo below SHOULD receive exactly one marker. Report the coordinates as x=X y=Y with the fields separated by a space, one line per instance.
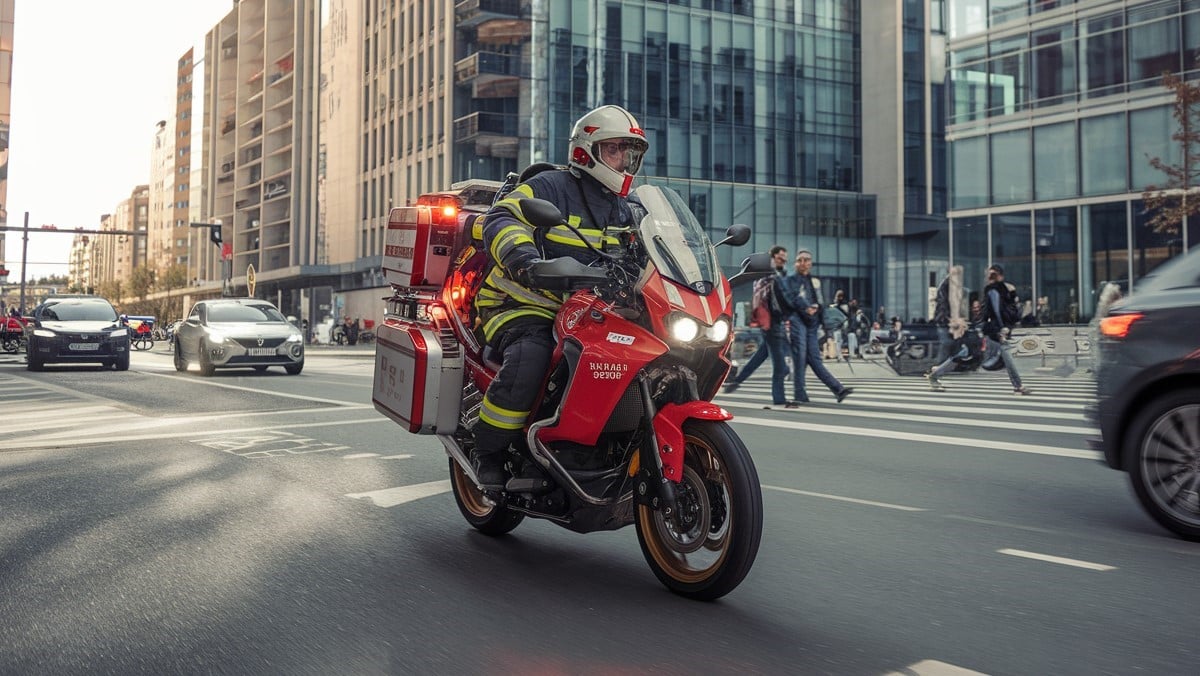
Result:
x=418 y=247
x=418 y=380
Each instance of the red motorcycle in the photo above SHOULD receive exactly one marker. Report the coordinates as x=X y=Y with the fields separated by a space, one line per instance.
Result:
x=12 y=334
x=625 y=432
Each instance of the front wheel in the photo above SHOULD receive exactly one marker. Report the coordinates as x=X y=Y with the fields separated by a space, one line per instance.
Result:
x=486 y=517
x=206 y=366
x=180 y=361
x=707 y=547
x=12 y=345
x=1164 y=466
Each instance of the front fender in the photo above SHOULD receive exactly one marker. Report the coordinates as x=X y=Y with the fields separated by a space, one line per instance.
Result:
x=668 y=430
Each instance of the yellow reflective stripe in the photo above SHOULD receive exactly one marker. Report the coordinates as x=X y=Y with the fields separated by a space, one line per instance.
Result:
x=564 y=235
x=574 y=220
x=491 y=326
x=509 y=237
x=503 y=412
x=522 y=294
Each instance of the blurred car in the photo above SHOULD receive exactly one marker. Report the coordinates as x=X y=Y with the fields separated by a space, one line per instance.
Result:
x=237 y=332
x=1148 y=392
x=76 y=329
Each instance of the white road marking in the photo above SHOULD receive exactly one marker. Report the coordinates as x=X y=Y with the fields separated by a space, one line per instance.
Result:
x=935 y=420
x=403 y=456
x=356 y=456
x=1056 y=559
x=941 y=440
x=255 y=390
x=990 y=403
x=841 y=498
x=390 y=497
x=933 y=668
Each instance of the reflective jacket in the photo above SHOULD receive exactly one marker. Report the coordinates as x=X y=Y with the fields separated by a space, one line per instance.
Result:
x=512 y=243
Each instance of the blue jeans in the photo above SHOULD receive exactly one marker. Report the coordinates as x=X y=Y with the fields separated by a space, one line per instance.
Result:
x=807 y=353
x=774 y=345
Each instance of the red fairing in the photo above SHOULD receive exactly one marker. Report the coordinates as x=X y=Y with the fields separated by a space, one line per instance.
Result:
x=614 y=350
x=668 y=430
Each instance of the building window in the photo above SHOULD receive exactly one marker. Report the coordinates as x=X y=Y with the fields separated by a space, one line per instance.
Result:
x=1011 y=175
x=1102 y=52
x=1153 y=46
x=1150 y=137
x=1103 y=154
x=1104 y=240
x=1009 y=68
x=1151 y=248
x=1056 y=172
x=1054 y=65
x=967 y=17
x=1055 y=240
x=1011 y=247
x=970 y=167
x=970 y=237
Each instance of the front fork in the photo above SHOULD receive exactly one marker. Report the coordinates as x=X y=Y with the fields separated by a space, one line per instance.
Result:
x=660 y=459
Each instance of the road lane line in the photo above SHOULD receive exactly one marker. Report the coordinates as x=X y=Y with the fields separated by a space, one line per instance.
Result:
x=1056 y=559
x=390 y=497
x=1005 y=411
x=933 y=668
x=255 y=390
x=935 y=420
x=842 y=498
x=924 y=438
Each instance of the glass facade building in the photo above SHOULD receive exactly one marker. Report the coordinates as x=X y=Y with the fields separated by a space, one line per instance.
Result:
x=1055 y=109
x=752 y=110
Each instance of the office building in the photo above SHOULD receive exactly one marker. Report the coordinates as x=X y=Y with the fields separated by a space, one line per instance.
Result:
x=6 y=56
x=1056 y=107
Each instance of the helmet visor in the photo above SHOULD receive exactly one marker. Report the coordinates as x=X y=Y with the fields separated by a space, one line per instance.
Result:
x=623 y=154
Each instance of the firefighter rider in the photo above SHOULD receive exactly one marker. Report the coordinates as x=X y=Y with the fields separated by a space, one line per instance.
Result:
x=605 y=153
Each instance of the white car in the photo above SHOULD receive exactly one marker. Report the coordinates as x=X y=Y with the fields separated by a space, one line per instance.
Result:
x=237 y=332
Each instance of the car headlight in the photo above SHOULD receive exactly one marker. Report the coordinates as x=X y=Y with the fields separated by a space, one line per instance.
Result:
x=294 y=338
x=718 y=332
x=685 y=329
x=117 y=333
x=44 y=333
x=214 y=337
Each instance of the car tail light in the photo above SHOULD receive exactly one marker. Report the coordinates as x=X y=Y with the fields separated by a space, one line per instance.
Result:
x=1117 y=326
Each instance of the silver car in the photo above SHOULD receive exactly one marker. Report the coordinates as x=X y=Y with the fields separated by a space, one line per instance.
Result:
x=237 y=332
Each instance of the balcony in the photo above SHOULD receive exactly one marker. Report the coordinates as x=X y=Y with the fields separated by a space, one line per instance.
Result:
x=471 y=13
x=471 y=126
x=490 y=75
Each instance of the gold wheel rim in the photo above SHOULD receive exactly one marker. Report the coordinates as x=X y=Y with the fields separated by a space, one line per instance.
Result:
x=469 y=493
x=679 y=566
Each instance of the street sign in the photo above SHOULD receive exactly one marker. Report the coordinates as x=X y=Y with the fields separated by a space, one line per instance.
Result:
x=250 y=280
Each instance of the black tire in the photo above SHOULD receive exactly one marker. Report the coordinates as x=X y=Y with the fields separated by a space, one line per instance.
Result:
x=1162 y=449
x=206 y=366
x=486 y=518
x=121 y=362
x=12 y=345
x=33 y=363
x=708 y=555
x=294 y=369
x=181 y=364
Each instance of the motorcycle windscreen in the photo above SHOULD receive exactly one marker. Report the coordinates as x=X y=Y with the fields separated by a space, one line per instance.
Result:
x=675 y=241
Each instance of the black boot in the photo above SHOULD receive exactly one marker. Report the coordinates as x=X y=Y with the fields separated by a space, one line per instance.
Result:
x=489 y=469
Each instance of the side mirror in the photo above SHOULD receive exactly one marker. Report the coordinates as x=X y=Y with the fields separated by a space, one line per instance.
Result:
x=753 y=266
x=737 y=235
x=540 y=213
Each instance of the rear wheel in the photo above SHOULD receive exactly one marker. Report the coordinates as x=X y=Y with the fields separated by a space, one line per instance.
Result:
x=206 y=366
x=180 y=361
x=485 y=517
x=12 y=345
x=707 y=547
x=1164 y=467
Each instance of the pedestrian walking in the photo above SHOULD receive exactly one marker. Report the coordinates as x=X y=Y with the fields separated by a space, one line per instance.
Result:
x=804 y=294
x=948 y=304
x=770 y=292
x=965 y=345
x=1001 y=312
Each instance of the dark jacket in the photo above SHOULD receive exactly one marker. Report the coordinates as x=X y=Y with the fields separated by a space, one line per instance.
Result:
x=993 y=295
x=941 y=304
x=803 y=291
x=512 y=243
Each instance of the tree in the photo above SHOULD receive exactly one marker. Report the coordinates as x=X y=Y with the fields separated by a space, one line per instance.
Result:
x=1178 y=197
x=141 y=281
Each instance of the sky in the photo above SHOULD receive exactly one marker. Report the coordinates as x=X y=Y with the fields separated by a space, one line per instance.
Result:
x=90 y=82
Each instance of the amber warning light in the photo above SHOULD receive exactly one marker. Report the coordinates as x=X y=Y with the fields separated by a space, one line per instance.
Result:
x=1117 y=326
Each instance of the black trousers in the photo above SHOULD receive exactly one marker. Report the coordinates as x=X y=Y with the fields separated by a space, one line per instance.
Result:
x=525 y=352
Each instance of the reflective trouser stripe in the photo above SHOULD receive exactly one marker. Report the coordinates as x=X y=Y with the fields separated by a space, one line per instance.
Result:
x=501 y=418
x=508 y=239
x=491 y=326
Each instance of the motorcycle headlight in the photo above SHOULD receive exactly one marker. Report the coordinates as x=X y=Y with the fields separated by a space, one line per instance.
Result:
x=44 y=333
x=685 y=329
x=719 y=332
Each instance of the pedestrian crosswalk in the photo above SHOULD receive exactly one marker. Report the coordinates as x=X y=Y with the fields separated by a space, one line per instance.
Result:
x=976 y=409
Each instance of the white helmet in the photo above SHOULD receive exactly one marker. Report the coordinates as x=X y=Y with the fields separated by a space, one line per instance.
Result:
x=615 y=171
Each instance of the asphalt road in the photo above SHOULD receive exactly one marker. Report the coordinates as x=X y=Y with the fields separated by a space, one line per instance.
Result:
x=155 y=522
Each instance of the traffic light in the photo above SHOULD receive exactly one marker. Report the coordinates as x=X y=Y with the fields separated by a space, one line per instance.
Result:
x=214 y=234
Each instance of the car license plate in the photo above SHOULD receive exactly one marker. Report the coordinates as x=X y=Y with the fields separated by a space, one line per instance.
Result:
x=260 y=351
x=84 y=346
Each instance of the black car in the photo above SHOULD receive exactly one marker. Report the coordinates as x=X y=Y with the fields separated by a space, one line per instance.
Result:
x=1148 y=392
x=76 y=329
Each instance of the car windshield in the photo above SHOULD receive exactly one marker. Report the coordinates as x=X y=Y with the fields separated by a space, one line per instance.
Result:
x=1180 y=272
x=78 y=311
x=676 y=242
x=243 y=313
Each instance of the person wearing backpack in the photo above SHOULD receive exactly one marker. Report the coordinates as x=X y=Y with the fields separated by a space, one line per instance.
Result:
x=770 y=310
x=1001 y=312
